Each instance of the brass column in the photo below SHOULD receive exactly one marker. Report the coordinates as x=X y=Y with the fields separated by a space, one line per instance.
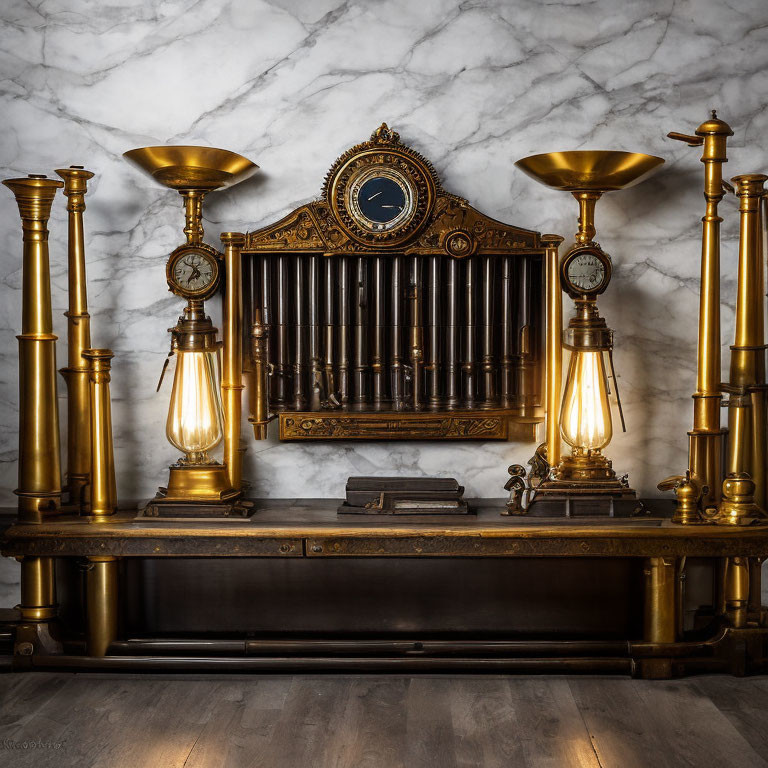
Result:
x=747 y=412
x=78 y=339
x=101 y=585
x=554 y=346
x=103 y=495
x=232 y=379
x=706 y=438
x=39 y=488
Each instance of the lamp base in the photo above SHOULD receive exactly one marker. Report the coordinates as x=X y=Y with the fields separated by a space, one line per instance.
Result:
x=558 y=498
x=197 y=492
x=582 y=485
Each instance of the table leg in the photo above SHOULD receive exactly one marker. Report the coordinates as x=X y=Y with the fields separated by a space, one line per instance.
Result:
x=737 y=590
x=38 y=589
x=660 y=623
x=101 y=604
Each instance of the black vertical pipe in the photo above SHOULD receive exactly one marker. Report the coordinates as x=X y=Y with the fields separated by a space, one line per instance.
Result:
x=329 y=325
x=488 y=366
x=506 y=331
x=361 y=329
x=433 y=323
x=452 y=335
x=416 y=340
x=379 y=329
x=524 y=347
x=470 y=320
x=316 y=395
x=343 y=340
x=300 y=331
x=396 y=343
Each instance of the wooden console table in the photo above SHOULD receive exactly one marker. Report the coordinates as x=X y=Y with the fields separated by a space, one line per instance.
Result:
x=297 y=586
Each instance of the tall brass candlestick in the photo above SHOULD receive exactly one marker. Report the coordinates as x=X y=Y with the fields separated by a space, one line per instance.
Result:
x=39 y=488
x=78 y=339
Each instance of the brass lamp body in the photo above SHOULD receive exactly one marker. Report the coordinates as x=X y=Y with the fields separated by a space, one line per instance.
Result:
x=198 y=486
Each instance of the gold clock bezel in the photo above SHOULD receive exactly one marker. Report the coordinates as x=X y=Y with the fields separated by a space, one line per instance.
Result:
x=384 y=155
x=352 y=195
x=571 y=288
x=210 y=253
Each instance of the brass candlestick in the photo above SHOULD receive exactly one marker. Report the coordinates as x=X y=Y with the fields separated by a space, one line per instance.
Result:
x=39 y=488
x=584 y=420
x=199 y=486
x=78 y=339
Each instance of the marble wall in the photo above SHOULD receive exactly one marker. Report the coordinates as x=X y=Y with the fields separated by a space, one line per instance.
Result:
x=291 y=84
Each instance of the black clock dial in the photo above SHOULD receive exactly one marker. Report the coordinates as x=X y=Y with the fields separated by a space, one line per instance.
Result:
x=381 y=199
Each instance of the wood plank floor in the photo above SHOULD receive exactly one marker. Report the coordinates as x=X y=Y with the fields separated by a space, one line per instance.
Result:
x=373 y=721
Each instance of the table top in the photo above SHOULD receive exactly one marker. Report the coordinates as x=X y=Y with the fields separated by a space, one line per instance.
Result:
x=312 y=528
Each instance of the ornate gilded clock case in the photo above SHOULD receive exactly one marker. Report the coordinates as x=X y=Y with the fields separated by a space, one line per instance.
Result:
x=391 y=309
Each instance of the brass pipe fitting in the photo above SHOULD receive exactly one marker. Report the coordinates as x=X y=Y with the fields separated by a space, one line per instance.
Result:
x=232 y=378
x=78 y=339
x=39 y=488
x=103 y=491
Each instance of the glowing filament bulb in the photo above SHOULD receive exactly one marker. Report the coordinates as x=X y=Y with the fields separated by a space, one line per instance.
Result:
x=195 y=422
x=585 y=419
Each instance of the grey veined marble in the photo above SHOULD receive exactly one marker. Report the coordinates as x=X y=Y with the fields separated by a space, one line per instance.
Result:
x=291 y=84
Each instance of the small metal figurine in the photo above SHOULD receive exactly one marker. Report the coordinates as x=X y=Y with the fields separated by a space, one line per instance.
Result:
x=518 y=490
x=522 y=489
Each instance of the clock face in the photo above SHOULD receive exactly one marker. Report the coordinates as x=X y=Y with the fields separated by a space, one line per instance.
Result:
x=381 y=199
x=586 y=272
x=193 y=271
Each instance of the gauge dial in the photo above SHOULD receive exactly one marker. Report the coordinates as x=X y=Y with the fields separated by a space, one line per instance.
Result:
x=193 y=271
x=586 y=271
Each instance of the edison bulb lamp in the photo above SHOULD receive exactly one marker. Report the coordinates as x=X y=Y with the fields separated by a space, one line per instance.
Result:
x=195 y=421
x=585 y=418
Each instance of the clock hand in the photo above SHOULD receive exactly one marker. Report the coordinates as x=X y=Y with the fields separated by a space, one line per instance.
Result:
x=399 y=207
x=375 y=194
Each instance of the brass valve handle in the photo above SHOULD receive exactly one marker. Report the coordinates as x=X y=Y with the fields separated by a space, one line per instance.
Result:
x=691 y=141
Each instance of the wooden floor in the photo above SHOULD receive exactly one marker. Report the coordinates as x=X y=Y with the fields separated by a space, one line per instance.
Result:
x=365 y=721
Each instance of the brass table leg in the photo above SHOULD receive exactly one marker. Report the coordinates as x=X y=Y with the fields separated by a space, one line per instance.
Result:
x=755 y=607
x=660 y=615
x=101 y=604
x=38 y=607
x=737 y=591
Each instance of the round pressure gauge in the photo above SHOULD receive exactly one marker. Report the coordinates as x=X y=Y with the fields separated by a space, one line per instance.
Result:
x=585 y=271
x=193 y=271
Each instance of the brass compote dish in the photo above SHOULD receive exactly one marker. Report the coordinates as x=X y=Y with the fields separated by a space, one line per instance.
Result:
x=198 y=485
x=190 y=167
x=586 y=476
x=587 y=174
